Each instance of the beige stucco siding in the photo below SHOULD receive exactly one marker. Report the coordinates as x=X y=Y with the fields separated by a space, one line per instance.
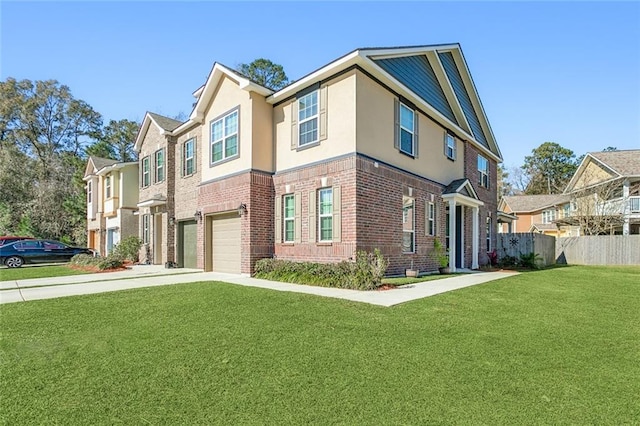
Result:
x=226 y=98
x=129 y=186
x=375 y=136
x=262 y=134
x=341 y=127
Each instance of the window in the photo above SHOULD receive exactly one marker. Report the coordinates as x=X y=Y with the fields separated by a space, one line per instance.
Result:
x=407 y=129
x=289 y=218
x=89 y=192
x=488 y=234
x=146 y=172
x=408 y=225
x=325 y=214
x=308 y=119
x=145 y=228
x=566 y=209
x=548 y=216
x=159 y=172
x=483 y=169
x=188 y=157
x=449 y=146
x=224 y=137
x=107 y=187
x=431 y=219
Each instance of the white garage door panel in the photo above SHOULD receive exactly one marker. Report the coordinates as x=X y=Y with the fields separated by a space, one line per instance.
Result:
x=226 y=245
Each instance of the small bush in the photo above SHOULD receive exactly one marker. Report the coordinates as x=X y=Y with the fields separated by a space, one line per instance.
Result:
x=530 y=260
x=493 y=257
x=508 y=261
x=365 y=273
x=112 y=261
x=84 y=260
x=128 y=248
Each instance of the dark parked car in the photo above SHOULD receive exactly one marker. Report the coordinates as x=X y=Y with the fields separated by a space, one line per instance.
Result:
x=7 y=240
x=16 y=254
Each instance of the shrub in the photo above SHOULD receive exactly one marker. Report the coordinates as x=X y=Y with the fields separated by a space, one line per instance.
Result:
x=365 y=273
x=112 y=261
x=507 y=261
x=128 y=248
x=84 y=260
x=493 y=257
x=530 y=260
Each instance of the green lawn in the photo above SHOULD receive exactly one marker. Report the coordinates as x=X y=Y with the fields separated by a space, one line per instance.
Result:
x=36 y=271
x=397 y=281
x=559 y=346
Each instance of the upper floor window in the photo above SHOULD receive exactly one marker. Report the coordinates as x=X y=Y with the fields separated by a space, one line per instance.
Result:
x=146 y=172
x=224 y=137
x=548 y=216
x=89 y=192
x=189 y=157
x=449 y=146
x=483 y=171
x=407 y=129
x=308 y=118
x=431 y=219
x=289 y=218
x=159 y=171
x=408 y=225
x=325 y=214
x=107 y=186
x=566 y=210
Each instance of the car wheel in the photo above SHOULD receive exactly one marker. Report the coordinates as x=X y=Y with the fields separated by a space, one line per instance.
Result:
x=14 y=262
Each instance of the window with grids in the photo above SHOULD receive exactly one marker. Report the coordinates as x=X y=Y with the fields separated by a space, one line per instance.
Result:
x=483 y=171
x=159 y=171
x=146 y=172
x=107 y=186
x=431 y=219
x=408 y=225
x=548 y=216
x=308 y=119
x=224 y=137
x=450 y=146
x=325 y=215
x=89 y=192
x=289 y=218
x=188 y=157
x=145 y=228
x=407 y=129
x=488 y=234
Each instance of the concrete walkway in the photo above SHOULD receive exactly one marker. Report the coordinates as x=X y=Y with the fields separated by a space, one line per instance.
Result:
x=148 y=276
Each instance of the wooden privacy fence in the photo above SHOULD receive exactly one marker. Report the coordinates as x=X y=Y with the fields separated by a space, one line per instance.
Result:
x=599 y=250
x=518 y=243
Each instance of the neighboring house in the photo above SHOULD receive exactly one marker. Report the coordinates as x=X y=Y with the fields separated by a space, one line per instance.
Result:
x=381 y=148
x=112 y=195
x=536 y=213
x=605 y=194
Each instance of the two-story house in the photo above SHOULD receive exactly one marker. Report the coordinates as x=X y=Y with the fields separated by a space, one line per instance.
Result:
x=381 y=148
x=112 y=195
x=605 y=194
x=537 y=213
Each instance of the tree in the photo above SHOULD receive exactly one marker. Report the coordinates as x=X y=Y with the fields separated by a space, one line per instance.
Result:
x=265 y=73
x=505 y=187
x=549 y=168
x=116 y=141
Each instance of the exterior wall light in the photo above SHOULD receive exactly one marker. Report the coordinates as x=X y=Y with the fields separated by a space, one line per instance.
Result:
x=242 y=209
x=197 y=215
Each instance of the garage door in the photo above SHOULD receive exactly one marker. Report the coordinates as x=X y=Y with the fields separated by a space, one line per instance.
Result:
x=226 y=244
x=187 y=240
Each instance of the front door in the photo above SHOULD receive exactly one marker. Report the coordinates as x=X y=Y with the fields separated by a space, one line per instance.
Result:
x=459 y=235
x=110 y=233
x=187 y=242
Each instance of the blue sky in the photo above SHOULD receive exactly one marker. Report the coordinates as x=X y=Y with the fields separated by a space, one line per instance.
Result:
x=567 y=72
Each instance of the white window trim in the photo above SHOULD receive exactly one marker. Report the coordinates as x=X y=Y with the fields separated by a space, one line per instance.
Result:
x=450 y=146
x=186 y=159
x=489 y=226
x=324 y=215
x=89 y=193
x=412 y=131
x=286 y=219
x=431 y=219
x=146 y=175
x=484 y=174
x=224 y=138
x=108 y=193
x=548 y=216
x=413 y=221
x=316 y=117
x=146 y=219
x=157 y=167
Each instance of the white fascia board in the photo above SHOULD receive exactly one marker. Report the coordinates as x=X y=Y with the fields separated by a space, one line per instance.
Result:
x=406 y=51
x=463 y=199
x=388 y=79
x=142 y=132
x=322 y=73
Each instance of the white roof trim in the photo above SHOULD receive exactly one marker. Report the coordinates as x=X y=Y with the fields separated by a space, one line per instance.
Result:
x=463 y=199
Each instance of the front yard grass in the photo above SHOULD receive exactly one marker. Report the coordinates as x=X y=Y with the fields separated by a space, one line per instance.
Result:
x=398 y=281
x=558 y=346
x=37 y=271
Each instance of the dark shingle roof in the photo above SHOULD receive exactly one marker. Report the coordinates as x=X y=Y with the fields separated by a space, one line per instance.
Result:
x=165 y=122
x=529 y=203
x=453 y=186
x=626 y=162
